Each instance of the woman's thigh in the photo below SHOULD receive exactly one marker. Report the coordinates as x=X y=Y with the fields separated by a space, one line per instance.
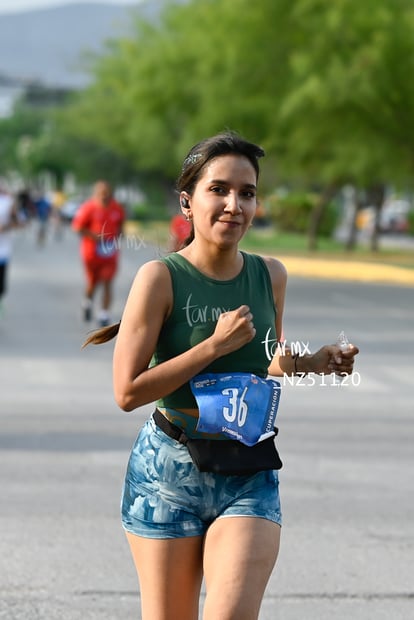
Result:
x=239 y=556
x=170 y=575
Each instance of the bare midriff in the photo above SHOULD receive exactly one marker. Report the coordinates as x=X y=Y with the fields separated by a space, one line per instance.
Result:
x=187 y=420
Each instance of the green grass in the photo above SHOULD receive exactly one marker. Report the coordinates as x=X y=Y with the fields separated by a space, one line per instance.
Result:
x=268 y=241
x=154 y=232
x=274 y=243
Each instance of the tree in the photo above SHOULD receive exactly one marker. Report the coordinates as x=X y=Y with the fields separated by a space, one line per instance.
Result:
x=322 y=86
x=203 y=68
x=344 y=98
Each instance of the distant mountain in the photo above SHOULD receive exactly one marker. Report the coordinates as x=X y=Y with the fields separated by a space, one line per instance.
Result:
x=47 y=44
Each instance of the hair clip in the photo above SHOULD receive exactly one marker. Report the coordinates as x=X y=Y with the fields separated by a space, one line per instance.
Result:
x=192 y=159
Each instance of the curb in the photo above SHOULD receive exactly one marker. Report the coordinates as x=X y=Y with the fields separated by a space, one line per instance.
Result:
x=355 y=271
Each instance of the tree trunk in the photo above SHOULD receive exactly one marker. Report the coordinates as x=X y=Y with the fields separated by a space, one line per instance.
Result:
x=352 y=237
x=317 y=213
x=377 y=196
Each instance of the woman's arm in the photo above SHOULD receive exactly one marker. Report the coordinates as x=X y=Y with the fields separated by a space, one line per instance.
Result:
x=278 y=276
x=326 y=360
x=148 y=306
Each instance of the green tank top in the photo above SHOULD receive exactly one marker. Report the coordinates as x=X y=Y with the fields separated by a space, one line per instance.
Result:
x=198 y=302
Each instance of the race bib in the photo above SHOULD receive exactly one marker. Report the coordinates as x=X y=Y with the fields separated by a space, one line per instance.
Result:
x=106 y=248
x=240 y=405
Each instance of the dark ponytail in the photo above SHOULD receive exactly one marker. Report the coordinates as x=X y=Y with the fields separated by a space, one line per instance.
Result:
x=104 y=334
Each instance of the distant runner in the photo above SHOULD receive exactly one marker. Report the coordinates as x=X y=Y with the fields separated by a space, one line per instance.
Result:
x=99 y=222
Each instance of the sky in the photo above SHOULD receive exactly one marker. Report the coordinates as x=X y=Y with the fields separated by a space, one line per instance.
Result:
x=13 y=6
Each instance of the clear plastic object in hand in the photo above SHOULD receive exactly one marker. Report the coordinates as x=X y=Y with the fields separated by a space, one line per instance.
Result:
x=344 y=344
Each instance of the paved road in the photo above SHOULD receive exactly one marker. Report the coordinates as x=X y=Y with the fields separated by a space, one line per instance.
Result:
x=347 y=484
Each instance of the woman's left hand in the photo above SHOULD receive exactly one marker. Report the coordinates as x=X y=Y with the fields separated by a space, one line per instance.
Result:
x=330 y=358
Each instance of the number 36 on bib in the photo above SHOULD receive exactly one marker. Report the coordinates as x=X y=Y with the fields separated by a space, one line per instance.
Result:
x=241 y=406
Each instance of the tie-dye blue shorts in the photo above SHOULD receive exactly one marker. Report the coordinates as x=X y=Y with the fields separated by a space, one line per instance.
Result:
x=165 y=496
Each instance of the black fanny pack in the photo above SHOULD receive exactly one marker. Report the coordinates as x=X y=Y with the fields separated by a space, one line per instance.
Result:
x=228 y=456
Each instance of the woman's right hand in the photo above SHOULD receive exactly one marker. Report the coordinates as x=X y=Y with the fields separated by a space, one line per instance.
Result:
x=234 y=329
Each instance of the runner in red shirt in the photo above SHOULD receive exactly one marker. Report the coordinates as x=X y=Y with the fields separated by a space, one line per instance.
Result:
x=99 y=222
x=180 y=230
